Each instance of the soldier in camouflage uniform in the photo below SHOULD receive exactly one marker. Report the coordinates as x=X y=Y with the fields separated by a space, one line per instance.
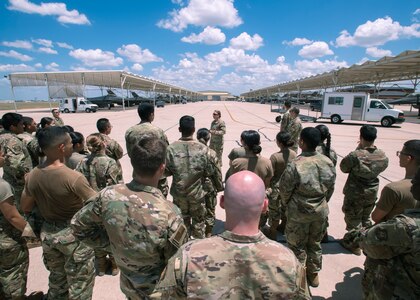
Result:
x=203 y=136
x=59 y=193
x=395 y=243
x=294 y=127
x=217 y=130
x=101 y=171
x=57 y=120
x=285 y=120
x=190 y=163
x=113 y=149
x=364 y=166
x=146 y=113
x=135 y=221
x=29 y=140
x=240 y=263
x=14 y=255
x=305 y=186
x=17 y=160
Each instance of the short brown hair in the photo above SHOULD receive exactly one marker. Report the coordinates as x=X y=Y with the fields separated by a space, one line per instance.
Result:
x=148 y=155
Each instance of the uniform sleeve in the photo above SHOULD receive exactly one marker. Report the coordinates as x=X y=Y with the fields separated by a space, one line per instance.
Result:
x=5 y=190
x=389 y=239
x=287 y=183
x=333 y=157
x=114 y=173
x=17 y=158
x=216 y=174
x=284 y=121
x=168 y=167
x=87 y=224
x=172 y=283
x=221 y=130
x=82 y=188
x=347 y=163
x=387 y=200
x=116 y=149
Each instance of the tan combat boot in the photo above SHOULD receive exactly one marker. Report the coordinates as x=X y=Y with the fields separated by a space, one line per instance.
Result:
x=102 y=263
x=313 y=279
x=209 y=230
x=114 y=267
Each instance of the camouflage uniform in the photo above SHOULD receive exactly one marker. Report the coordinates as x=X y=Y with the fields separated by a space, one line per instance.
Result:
x=17 y=162
x=190 y=163
x=361 y=188
x=134 y=133
x=279 y=162
x=14 y=256
x=58 y=121
x=142 y=229
x=31 y=143
x=113 y=150
x=218 y=130
x=333 y=155
x=294 y=128
x=305 y=186
x=395 y=245
x=232 y=266
x=99 y=170
x=211 y=197
x=285 y=121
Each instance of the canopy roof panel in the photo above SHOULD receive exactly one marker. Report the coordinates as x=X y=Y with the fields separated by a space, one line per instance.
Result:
x=110 y=79
x=404 y=66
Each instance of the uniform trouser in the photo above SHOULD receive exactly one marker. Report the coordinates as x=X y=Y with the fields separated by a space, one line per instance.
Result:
x=357 y=209
x=194 y=213
x=304 y=239
x=218 y=148
x=274 y=206
x=70 y=262
x=211 y=202
x=14 y=263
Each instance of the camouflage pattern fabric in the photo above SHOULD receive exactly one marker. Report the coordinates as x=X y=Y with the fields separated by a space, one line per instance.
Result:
x=113 y=150
x=31 y=143
x=305 y=186
x=231 y=266
x=190 y=163
x=139 y=226
x=58 y=121
x=218 y=130
x=361 y=188
x=70 y=262
x=285 y=121
x=333 y=155
x=294 y=128
x=14 y=256
x=17 y=162
x=395 y=244
x=99 y=170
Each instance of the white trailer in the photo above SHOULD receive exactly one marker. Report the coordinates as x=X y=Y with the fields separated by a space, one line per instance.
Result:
x=77 y=104
x=339 y=106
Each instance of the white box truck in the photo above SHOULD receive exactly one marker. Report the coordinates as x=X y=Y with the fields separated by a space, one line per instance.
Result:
x=339 y=106
x=77 y=104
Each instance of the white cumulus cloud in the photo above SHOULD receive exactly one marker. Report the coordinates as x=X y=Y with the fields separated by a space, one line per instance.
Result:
x=18 y=44
x=202 y=13
x=43 y=42
x=96 y=57
x=376 y=33
x=57 y=9
x=16 y=55
x=38 y=65
x=52 y=67
x=246 y=42
x=47 y=50
x=316 y=49
x=304 y=68
x=376 y=52
x=136 y=54
x=210 y=36
x=137 y=67
x=16 y=68
x=64 y=45
x=298 y=42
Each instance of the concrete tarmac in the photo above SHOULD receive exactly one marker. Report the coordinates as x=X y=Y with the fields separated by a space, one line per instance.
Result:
x=342 y=271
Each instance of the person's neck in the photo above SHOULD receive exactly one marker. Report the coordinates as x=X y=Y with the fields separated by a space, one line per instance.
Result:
x=150 y=181
x=187 y=137
x=366 y=144
x=410 y=171
x=145 y=121
x=53 y=161
x=242 y=228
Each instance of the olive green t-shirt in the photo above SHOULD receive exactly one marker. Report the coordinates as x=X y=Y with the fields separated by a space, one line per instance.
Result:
x=256 y=164
x=59 y=192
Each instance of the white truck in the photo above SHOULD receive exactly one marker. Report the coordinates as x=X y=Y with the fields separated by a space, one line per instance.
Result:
x=77 y=104
x=339 y=106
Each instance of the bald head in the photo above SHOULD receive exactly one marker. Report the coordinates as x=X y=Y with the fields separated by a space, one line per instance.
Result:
x=244 y=196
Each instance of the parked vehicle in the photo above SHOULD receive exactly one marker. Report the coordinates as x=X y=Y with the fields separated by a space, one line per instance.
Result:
x=77 y=104
x=316 y=105
x=339 y=106
x=160 y=103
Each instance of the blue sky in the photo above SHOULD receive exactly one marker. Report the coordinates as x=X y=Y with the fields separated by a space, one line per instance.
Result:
x=202 y=44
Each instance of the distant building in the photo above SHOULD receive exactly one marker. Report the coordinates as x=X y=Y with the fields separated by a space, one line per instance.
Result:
x=216 y=96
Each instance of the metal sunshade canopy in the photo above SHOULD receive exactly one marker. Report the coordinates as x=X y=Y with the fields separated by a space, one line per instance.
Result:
x=111 y=79
x=404 y=66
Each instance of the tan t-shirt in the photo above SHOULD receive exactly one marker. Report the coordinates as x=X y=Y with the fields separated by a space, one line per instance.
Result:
x=279 y=161
x=395 y=198
x=256 y=164
x=59 y=192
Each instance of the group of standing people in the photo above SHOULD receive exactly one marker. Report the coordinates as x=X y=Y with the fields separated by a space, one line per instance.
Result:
x=87 y=213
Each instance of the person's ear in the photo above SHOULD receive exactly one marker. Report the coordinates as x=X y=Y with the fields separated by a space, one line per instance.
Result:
x=222 y=201
x=61 y=148
x=265 y=206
